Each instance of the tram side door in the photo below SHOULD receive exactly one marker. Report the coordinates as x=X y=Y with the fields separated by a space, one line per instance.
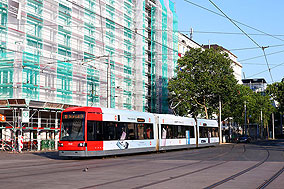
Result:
x=209 y=135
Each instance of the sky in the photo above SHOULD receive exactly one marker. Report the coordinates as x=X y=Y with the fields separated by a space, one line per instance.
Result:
x=262 y=15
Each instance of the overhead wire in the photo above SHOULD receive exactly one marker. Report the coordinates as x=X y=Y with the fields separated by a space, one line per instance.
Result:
x=233 y=33
x=84 y=8
x=267 y=69
x=123 y=27
x=250 y=48
x=256 y=64
x=190 y=2
x=261 y=47
x=261 y=56
x=234 y=23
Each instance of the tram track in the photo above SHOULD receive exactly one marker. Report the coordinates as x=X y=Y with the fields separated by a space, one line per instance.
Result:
x=69 y=162
x=164 y=170
x=206 y=168
x=62 y=169
x=80 y=160
x=35 y=165
x=239 y=173
x=271 y=179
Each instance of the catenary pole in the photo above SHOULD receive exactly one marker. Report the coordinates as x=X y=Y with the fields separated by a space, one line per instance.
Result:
x=273 y=127
x=245 y=127
x=261 y=122
x=220 y=121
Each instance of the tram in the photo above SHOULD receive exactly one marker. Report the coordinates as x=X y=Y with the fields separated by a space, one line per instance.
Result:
x=94 y=131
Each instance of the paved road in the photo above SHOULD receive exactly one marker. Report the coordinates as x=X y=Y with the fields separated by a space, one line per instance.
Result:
x=225 y=166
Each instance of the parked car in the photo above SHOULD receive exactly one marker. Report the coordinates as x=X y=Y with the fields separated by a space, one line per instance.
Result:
x=243 y=138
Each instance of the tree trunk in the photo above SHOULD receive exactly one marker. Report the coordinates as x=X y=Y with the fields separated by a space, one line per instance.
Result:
x=205 y=108
x=196 y=131
x=206 y=112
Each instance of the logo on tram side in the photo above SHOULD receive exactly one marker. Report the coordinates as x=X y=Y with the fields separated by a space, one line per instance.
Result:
x=131 y=118
x=178 y=121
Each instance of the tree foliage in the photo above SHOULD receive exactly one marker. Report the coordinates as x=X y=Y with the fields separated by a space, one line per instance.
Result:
x=203 y=76
x=276 y=91
x=255 y=103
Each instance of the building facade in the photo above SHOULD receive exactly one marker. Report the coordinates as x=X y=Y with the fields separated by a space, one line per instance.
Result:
x=185 y=43
x=107 y=53
x=257 y=84
x=59 y=51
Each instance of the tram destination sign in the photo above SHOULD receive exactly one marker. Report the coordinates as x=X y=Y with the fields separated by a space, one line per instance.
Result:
x=140 y=120
x=73 y=116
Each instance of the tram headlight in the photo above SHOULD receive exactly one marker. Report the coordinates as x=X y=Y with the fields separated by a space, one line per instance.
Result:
x=60 y=144
x=81 y=144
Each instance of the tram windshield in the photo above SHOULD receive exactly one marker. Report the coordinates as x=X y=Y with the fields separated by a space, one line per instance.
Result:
x=72 y=128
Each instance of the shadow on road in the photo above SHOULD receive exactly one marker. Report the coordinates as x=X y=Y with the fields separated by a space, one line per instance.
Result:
x=50 y=155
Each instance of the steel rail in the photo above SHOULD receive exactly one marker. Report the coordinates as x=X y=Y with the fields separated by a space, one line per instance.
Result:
x=61 y=169
x=239 y=173
x=161 y=171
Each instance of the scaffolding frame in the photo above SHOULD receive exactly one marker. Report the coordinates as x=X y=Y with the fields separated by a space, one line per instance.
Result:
x=49 y=52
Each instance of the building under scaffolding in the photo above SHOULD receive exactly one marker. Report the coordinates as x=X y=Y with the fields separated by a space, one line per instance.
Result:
x=60 y=53
x=37 y=122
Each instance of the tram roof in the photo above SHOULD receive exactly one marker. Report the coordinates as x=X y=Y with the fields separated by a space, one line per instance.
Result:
x=172 y=119
x=128 y=112
x=109 y=111
x=207 y=122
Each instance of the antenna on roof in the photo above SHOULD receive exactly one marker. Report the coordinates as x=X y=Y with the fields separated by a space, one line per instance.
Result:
x=191 y=33
x=244 y=75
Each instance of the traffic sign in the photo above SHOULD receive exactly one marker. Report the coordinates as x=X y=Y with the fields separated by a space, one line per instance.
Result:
x=25 y=116
x=2 y=118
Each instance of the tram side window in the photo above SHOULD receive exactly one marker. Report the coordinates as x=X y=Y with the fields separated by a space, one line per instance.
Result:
x=149 y=131
x=177 y=131
x=132 y=131
x=94 y=131
x=181 y=131
x=191 y=131
x=203 y=132
x=98 y=131
x=110 y=132
x=141 y=131
x=169 y=131
x=214 y=132
x=144 y=131
x=120 y=128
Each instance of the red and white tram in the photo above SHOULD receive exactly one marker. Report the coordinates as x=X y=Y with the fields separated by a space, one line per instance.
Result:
x=93 y=131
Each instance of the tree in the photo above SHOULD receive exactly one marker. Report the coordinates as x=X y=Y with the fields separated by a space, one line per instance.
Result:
x=257 y=104
x=203 y=76
x=234 y=108
x=276 y=91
